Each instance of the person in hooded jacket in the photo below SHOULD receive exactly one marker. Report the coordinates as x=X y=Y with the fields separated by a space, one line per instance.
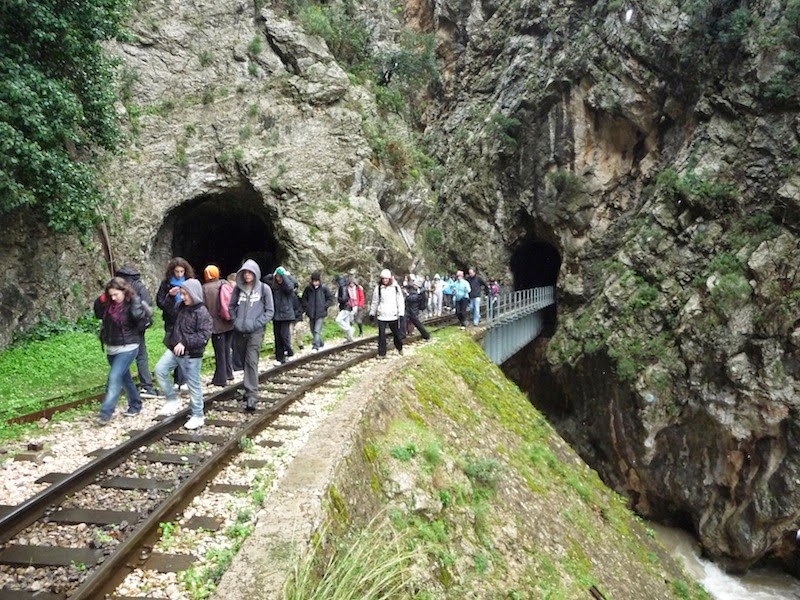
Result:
x=283 y=285
x=124 y=319
x=217 y=297
x=346 y=315
x=316 y=300
x=134 y=278
x=186 y=343
x=168 y=299
x=416 y=303
x=251 y=308
x=388 y=306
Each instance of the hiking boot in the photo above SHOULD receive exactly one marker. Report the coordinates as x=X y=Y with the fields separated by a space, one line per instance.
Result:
x=250 y=405
x=195 y=423
x=169 y=408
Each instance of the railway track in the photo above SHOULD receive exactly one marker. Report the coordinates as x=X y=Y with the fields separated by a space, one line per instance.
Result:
x=148 y=479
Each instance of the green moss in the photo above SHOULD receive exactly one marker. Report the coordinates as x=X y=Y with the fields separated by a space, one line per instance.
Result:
x=338 y=505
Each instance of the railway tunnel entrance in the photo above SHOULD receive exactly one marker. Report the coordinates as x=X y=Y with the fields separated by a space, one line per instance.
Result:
x=536 y=263
x=222 y=229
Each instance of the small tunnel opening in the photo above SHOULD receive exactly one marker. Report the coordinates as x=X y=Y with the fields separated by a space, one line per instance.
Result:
x=536 y=263
x=222 y=229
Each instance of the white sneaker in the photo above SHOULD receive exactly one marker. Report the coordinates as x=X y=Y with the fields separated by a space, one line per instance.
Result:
x=238 y=373
x=169 y=408
x=195 y=423
x=277 y=363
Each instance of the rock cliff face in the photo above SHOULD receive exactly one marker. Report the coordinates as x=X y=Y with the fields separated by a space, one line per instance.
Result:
x=655 y=148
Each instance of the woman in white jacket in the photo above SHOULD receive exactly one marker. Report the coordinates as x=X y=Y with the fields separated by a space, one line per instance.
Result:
x=388 y=305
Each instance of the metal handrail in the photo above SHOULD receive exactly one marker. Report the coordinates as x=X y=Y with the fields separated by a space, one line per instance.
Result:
x=511 y=305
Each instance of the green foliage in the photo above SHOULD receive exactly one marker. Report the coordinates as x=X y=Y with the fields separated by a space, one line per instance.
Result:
x=565 y=182
x=404 y=453
x=701 y=195
x=342 y=28
x=56 y=104
x=256 y=46
x=205 y=57
x=505 y=129
x=782 y=90
x=483 y=472
x=715 y=35
x=371 y=564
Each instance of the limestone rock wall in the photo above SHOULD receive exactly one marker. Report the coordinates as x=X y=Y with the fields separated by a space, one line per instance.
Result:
x=642 y=141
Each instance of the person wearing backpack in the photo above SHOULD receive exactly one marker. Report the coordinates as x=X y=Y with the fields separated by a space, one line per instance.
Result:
x=216 y=296
x=388 y=306
x=251 y=307
x=134 y=278
x=124 y=319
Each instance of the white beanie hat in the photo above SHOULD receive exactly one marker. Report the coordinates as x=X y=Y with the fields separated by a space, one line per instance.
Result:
x=386 y=274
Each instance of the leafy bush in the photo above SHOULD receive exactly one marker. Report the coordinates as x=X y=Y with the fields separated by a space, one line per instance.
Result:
x=56 y=103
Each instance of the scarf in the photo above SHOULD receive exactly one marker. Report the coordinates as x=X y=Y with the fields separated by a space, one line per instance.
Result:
x=179 y=282
x=117 y=313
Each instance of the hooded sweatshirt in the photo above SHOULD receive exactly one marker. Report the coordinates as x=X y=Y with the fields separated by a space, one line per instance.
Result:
x=132 y=276
x=251 y=308
x=193 y=324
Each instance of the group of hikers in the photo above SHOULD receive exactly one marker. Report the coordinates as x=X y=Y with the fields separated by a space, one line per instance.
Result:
x=233 y=314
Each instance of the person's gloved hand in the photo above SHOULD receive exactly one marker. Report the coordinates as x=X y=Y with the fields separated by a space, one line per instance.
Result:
x=372 y=318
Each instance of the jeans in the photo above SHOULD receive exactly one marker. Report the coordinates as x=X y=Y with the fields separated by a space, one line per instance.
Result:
x=316 y=331
x=345 y=320
x=398 y=337
x=191 y=370
x=475 y=306
x=249 y=347
x=119 y=377
x=222 y=357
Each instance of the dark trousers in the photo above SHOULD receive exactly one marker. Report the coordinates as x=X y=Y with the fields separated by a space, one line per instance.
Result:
x=461 y=311
x=237 y=363
x=221 y=343
x=249 y=345
x=283 y=340
x=143 y=365
x=414 y=320
x=398 y=337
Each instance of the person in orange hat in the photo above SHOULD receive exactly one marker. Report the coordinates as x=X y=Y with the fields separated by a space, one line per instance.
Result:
x=217 y=297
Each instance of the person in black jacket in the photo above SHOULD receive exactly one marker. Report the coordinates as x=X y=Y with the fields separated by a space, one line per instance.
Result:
x=133 y=277
x=317 y=299
x=124 y=318
x=416 y=302
x=282 y=286
x=476 y=284
x=186 y=343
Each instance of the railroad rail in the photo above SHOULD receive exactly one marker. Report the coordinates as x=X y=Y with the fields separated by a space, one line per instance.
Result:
x=169 y=479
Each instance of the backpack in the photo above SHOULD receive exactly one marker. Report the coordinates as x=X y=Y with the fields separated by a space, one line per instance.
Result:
x=147 y=320
x=225 y=293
